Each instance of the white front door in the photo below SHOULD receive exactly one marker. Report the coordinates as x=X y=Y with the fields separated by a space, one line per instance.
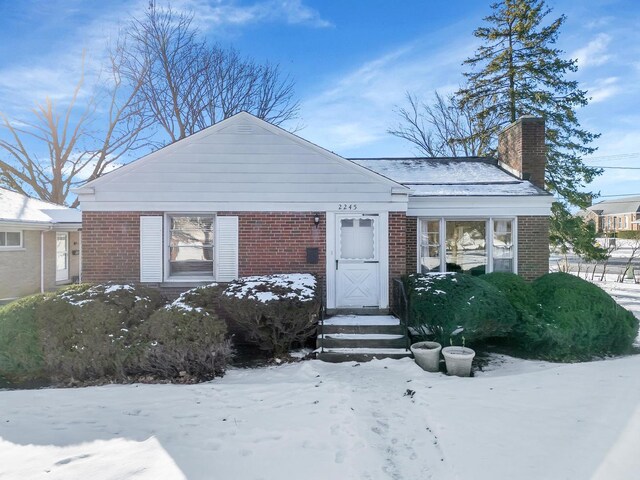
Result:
x=357 y=263
x=62 y=256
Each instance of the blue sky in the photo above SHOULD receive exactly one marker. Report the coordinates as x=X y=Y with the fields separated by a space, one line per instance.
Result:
x=352 y=61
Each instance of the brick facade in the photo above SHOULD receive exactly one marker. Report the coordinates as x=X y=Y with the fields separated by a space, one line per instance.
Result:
x=277 y=242
x=533 y=246
x=522 y=147
x=270 y=242
x=412 y=244
x=111 y=246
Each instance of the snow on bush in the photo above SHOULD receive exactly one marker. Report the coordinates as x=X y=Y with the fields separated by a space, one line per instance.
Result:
x=91 y=332
x=454 y=305
x=275 y=311
x=267 y=288
x=185 y=338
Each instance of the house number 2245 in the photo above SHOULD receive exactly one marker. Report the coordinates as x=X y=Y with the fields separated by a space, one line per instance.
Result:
x=347 y=206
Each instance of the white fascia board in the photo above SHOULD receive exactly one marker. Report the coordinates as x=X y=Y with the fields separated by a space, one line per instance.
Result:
x=25 y=225
x=472 y=206
x=196 y=207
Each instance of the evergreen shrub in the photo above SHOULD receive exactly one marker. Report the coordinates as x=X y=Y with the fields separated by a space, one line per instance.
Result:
x=185 y=338
x=274 y=311
x=449 y=306
x=20 y=349
x=579 y=320
x=90 y=332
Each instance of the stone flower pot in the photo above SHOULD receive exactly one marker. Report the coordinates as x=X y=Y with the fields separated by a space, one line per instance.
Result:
x=427 y=355
x=458 y=360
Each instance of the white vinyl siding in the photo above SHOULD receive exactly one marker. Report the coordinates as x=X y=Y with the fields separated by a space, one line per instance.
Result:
x=226 y=248
x=151 y=249
x=242 y=164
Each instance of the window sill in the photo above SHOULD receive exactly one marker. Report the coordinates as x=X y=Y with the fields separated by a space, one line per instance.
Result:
x=13 y=249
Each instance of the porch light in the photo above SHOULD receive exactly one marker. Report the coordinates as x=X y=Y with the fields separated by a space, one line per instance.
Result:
x=316 y=220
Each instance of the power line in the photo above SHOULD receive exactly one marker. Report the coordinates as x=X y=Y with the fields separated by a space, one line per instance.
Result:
x=615 y=167
x=619 y=195
x=620 y=156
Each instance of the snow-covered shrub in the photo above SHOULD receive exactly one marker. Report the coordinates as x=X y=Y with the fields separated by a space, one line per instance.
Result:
x=449 y=306
x=90 y=332
x=579 y=320
x=275 y=311
x=184 y=339
x=20 y=349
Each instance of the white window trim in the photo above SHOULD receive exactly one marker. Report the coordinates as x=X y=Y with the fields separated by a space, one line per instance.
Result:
x=13 y=248
x=166 y=249
x=442 y=230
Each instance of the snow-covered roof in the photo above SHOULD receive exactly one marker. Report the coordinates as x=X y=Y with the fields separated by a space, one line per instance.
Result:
x=18 y=208
x=464 y=176
x=616 y=206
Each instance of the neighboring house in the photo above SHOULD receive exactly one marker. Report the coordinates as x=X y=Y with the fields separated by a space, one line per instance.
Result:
x=39 y=245
x=614 y=215
x=244 y=197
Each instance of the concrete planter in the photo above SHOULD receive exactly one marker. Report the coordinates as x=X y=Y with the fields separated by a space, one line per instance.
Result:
x=427 y=355
x=458 y=360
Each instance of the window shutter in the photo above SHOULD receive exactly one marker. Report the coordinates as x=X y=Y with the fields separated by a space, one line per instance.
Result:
x=226 y=246
x=151 y=249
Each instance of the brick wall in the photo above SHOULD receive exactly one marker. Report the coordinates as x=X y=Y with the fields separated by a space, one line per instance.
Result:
x=111 y=246
x=412 y=244
x=269 y=243
x=276 y=242
x=533 y=246
x=522 y=147
x=397 y=244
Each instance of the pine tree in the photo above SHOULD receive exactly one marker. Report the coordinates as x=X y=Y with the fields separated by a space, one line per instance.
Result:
x=518 y=71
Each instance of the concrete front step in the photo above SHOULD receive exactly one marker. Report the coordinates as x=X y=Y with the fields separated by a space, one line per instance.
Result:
x=361 y=340
x=344 y=338
x=362 y=329
x=336 y=355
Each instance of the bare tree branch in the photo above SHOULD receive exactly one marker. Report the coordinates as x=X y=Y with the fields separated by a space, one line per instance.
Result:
x=443 y=128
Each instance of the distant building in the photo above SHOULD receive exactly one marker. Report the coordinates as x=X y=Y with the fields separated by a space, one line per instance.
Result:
x=615 y=215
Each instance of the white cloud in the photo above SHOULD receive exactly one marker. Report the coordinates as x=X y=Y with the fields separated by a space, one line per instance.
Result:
x=354 y=110
x=595 y=53
x=216 y=13
x=603 y=89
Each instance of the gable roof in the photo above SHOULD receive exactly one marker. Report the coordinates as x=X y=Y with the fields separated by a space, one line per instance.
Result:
x=451 y=176
x=243 y=121
x=18 y=208
x=242 y=163
x=616 y=206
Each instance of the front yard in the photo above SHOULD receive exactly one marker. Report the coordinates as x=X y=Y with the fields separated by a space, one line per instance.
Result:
x=385 y=419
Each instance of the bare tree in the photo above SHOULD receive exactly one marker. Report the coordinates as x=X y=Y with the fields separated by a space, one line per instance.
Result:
x=443 y=128
x=61 y=147
x=189 y=85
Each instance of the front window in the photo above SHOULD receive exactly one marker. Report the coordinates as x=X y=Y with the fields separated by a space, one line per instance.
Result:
x=466 y=245
x=473 y=246
x=502 y=246
x=191 y=246
x=10 y=239
x=429 y=248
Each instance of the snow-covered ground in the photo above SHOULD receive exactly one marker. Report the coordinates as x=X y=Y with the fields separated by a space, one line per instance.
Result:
x=380 y=420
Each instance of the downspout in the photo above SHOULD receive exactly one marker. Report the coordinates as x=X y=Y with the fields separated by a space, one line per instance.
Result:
x=42 y=261
x=80 y=256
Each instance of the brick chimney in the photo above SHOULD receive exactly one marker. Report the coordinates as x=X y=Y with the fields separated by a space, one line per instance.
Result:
x=522 y=150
